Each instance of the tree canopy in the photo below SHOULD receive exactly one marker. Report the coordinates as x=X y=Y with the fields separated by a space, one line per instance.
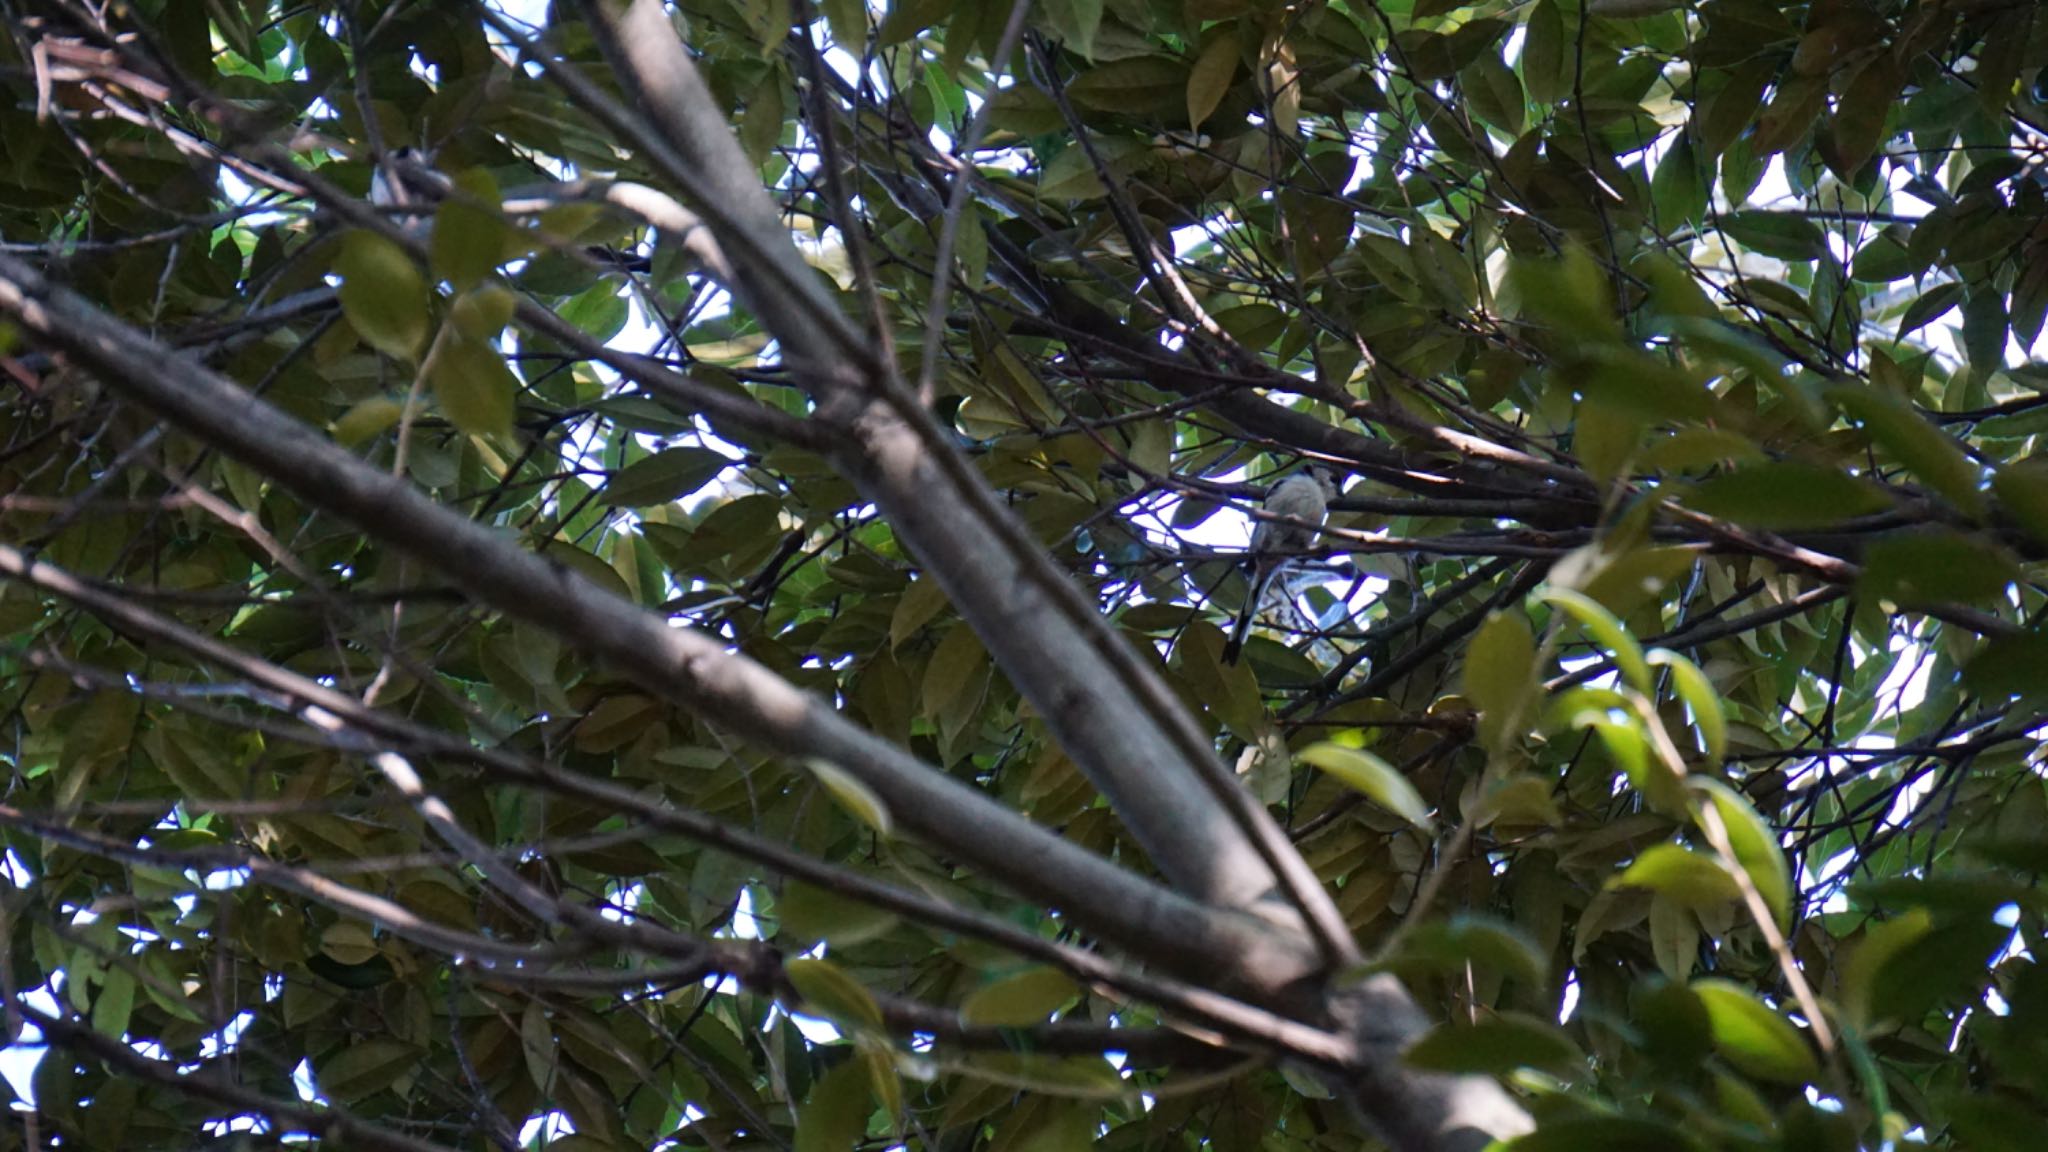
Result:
x=632 y=576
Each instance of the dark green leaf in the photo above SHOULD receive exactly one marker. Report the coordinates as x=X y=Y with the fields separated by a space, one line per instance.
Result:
x=1780 y=234
x=1496 y=1045
x=670 y=474
x=1784 y=495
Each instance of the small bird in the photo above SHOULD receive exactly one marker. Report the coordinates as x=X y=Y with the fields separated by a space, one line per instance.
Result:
x=1304 y=496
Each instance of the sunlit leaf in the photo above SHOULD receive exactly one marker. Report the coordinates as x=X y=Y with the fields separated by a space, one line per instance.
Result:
x=1753 y=1037
x=1378 y=780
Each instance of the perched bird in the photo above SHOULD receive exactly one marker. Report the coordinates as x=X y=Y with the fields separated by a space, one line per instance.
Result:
x=1303 y=496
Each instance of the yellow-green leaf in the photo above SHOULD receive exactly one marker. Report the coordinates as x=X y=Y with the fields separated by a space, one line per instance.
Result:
x=1753 y=1037
x=369 y=417
x=1500 y=673
x=1378 y=780
x=1700 y=697
x=1694 y=879
x=347 y=942
x=482 y=313
x=828 y=991
x=1755 y=846
x=1606 y=630
x=810 y=914
x=383 y=294
x=1025 y=998
x=921 y=601
x=469 y=235
x=472 y=386
x=857 y=798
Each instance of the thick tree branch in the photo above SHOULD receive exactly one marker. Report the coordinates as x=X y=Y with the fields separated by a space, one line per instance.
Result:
x=678 y=665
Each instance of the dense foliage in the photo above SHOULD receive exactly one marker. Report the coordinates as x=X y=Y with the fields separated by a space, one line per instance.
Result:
x=1659 y=704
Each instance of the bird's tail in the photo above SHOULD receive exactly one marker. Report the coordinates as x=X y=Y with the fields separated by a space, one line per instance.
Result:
x=1261 y=576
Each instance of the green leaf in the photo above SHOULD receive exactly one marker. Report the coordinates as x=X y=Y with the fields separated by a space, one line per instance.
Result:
x=537 y=1044
x=1985 y=326
x=472 y=386
x=1075 y=22
x=2010 y=666
x=1626 y=742
x=1673 y=1022
x=347 y=942
x=1214 y=69
x=1695 y=879
x=1543 y=63
x=1378 y=780
x=1758 y=1041
x=1783 y=495
x=383 y=294
x=1950 y=964
x=668 y=475
x=1989 y=1123
x=828 y=991
x=955 y=677
x=1447 y=946
x=482 y=313
x=1495 y=1046
x=1071 y=176
x=1631 y=381
x=834 y=1116
x=848 y=21
x=1055 y=1126
x=1881 y=941
x=1930 y=306
x=1930 y=453
x=115 y=1003
x=599 y=310
x=1700 y=697
x=1500 y=673
x=810 y=914
x=856 y=797
x=907 y=18
x=1860 y=115
x=1026 y=998
x=470 y=237
x=1605 y=630
x=922 y=601
x=1601 y=1133
x=363 y=1068
x=1777 y=234
x=1623 y=583
x=1495 y=93
x=1228 y=690
x=1680 y=188
x=1755 y=846
x=1606 y=437
x=1884 y=259
x=2022 y=490
x=372 y=416
x=1936 y=566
